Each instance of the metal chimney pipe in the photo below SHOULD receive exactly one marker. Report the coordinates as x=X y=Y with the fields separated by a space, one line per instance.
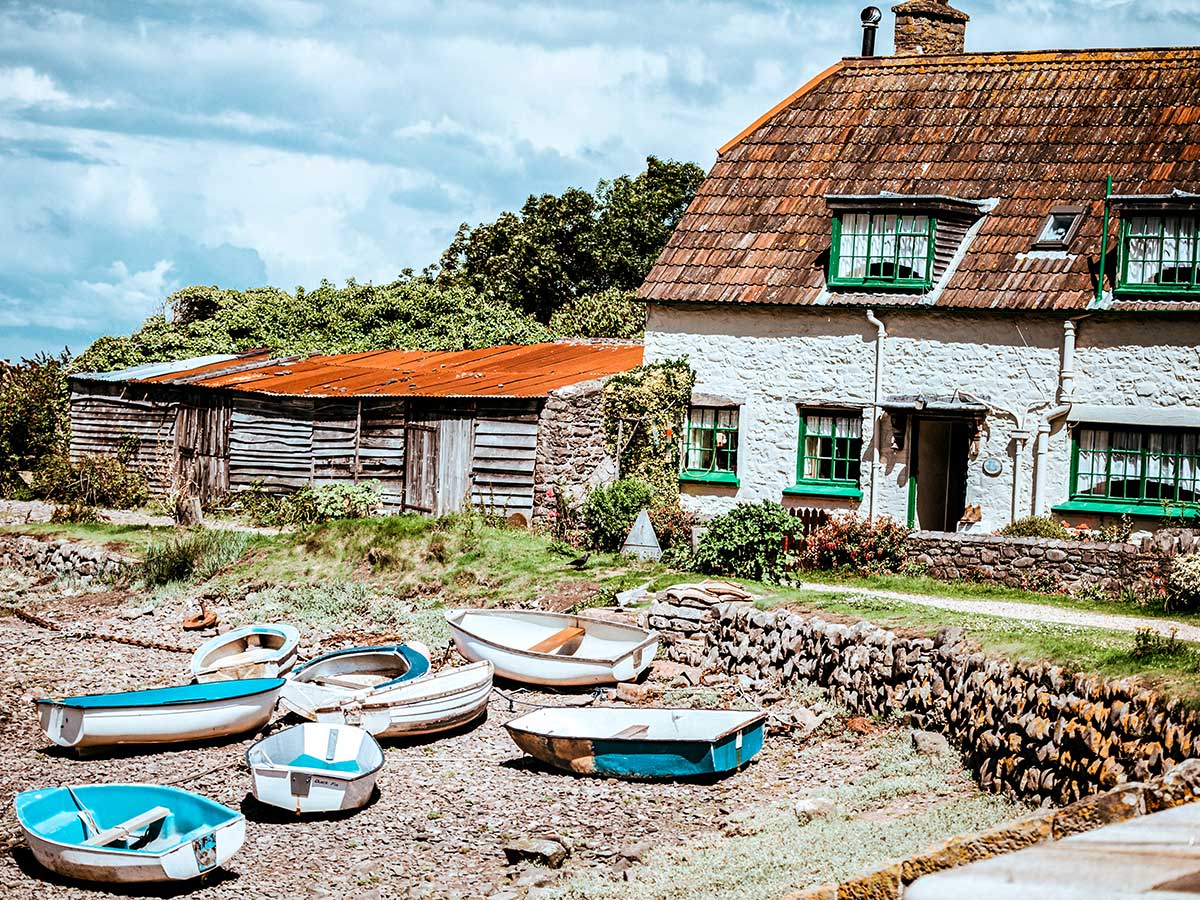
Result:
x=870 y=24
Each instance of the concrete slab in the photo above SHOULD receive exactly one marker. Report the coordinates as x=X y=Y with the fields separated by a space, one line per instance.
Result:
x=1156 y=856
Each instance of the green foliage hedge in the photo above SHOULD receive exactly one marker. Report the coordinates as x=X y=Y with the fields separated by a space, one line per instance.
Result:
x=1038 y=526
x=34 y=420
x=91 y=481
x=748 y=542
x=309 y=505
x=609 y=512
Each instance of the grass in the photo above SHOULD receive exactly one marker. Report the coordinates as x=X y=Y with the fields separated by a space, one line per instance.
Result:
x=132 y=538
x=899 y=805
x=192 y=555
x=1171 y=667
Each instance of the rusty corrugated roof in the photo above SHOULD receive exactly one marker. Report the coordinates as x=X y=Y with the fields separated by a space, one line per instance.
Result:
x=1029 y=129
x=509 y=371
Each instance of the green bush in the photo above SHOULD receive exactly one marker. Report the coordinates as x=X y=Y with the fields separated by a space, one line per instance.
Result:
x=612 y=313
x=857 y=544
x=34 y=420
x=1038 y=526
x=94 y=480
x=309 y=505
x=608 y=512
x=197 y=555
x=74 y=512
x=749 y=541
x=1183 y=583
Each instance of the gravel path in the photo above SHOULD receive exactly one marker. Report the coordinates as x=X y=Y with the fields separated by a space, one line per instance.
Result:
x=1035 y=612
x=445 y=810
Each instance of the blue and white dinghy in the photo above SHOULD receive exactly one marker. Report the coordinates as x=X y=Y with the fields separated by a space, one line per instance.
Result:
x=189 y=712
x=252 y=651
x=128 y=832
x=355 y=668
x=639 y=742
x=315 y=768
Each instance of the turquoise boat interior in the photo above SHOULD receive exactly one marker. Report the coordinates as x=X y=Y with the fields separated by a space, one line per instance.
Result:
x=397 y=662
x=173 y=696
x=75 y=815
x=337 y=749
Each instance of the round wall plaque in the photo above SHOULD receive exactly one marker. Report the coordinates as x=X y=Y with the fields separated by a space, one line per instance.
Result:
x=992 y=466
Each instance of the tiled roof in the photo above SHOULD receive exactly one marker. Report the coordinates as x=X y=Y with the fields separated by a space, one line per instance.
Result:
x=1029 y=129
x=509 y=371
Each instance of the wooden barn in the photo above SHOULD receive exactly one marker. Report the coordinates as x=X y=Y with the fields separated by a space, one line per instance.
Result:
x=500 y=428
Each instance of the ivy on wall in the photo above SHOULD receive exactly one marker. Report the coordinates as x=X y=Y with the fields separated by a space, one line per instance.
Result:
x=644 y=413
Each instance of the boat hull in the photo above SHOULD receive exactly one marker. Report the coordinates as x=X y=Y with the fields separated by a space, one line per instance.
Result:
x=552 y=669
x=197 y=851
x=91 y=728
x=643 y=758
x=431 y=704
x=290 y=770
x=252 y=651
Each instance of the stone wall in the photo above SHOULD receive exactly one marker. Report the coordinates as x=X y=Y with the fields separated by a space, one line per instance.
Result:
x=1033 y=562
x=62 y=558
x=1031 y=730
x=773 y=361
x=572 y=456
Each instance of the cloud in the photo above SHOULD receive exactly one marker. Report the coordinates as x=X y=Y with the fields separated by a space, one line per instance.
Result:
x=284 y=141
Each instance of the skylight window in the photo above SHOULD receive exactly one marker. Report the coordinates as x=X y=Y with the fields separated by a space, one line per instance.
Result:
x=1059 y=228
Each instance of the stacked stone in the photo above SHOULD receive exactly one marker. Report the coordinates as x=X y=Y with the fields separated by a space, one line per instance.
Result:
x=63 y=558
x=572 y=455
x=680 y=610
x=1026 y=729
x=1013 y=561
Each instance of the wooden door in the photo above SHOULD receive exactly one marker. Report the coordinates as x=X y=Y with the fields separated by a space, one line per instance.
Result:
x=202 y=450
x=421 y=467
x=454 y=464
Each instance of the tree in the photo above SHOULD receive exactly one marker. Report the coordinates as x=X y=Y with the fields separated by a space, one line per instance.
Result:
x=559 y=248
x=34 y=422
x=611 y=313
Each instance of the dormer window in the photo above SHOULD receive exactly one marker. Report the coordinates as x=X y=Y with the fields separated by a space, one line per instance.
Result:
x=896 y=242
x=1059 y=227
x=1159 y=253
x=889 y=249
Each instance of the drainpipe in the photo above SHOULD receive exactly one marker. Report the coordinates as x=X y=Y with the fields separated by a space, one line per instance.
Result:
x=876 y=435
x=1066 y=391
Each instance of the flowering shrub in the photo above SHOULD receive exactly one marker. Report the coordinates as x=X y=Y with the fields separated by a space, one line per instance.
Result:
x=1038 y=526
x=1183 y=583
x=851 y=542
x=749 y=541
x=673 y=525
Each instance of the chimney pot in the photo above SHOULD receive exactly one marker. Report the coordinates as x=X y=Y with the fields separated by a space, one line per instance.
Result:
x=929 y=26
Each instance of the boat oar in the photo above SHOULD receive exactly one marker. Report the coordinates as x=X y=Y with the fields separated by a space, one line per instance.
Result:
x=90 y=827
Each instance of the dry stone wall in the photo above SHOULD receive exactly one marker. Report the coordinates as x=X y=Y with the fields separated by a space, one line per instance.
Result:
x=1033 y=562
x=63 y=558
x=1032 y=730
x=572 y=457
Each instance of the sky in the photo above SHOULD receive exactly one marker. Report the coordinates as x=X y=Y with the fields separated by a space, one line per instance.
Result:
x=146 y=146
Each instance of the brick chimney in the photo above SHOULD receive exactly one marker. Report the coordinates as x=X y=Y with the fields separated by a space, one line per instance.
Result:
x=929 y=26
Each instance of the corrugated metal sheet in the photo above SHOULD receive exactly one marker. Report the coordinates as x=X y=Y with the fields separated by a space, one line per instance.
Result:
x=508 y=371
x=161 y=369
x=1029 y=129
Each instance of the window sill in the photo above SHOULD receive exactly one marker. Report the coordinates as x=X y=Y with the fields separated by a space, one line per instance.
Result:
x=1157 y=290
x=709 y=478
x=883 y=286
x=824 y=489
x=1117 y=507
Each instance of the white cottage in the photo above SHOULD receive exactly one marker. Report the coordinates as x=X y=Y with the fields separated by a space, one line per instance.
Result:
x=896 y=295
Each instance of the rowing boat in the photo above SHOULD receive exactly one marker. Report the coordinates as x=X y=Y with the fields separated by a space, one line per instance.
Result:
x=117 y=833
x=426 y=705
x=252 y=651
x=555 y=649
x=640 y=742
x=189 y=712
x=315 y=768
x=356 y=668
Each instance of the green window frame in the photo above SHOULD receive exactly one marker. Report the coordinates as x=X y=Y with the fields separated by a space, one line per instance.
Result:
x=882 y=249
x=829 y=453
x=710 y=451
x=1160 y=254
x=1127 y=469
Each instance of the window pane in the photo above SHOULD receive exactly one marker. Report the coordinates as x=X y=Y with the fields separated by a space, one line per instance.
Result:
x=1162 y=250
x=832 y=447
x=884 y=247
x=712 y=439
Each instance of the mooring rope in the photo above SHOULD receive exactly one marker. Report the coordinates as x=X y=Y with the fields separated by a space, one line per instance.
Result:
x=41 y=622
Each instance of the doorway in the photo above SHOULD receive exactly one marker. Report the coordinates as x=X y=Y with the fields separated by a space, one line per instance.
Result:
x=937 y=482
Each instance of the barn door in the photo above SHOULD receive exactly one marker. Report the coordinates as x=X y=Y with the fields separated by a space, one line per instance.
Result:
x=202 y=450
x=454 y=464
x=420 y=467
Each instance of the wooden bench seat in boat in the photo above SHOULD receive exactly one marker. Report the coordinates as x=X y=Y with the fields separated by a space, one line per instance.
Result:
x=128 y=827
x=556 y=640
x=633 y=731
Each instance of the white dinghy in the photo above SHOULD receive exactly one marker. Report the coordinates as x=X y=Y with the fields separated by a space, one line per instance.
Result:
x=189 y=712
x=426 y=705
x=555 y=649
x=315 y=768
x=118 y=833
x=252 y=651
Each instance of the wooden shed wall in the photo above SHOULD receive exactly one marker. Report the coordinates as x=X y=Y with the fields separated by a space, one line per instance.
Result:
x=506 y=437
x=270 y=443
x=106 y=418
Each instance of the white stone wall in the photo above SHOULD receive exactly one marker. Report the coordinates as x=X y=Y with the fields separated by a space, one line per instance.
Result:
x=775 y=360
